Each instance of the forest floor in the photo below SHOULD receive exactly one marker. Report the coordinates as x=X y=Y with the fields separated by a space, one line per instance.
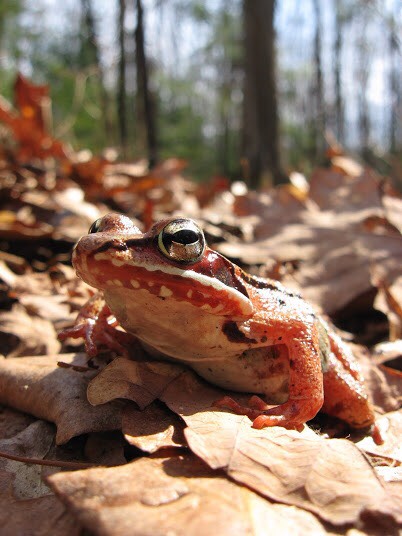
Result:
x=122 y=444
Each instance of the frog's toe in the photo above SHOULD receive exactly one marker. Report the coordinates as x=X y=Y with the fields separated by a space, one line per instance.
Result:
x=83 y=330
x=292 y=414
x=97 y=335
x=263 y=421
x=255 y=402
x=228 y=403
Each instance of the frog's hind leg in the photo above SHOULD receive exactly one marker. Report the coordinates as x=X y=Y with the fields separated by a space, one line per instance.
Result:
x=345 y=396
x=306 y=394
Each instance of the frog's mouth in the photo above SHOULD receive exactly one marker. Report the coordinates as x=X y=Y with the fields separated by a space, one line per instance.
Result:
x=208 y=294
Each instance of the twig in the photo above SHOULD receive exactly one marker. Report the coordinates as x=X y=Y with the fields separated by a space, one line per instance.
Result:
x=52 y=463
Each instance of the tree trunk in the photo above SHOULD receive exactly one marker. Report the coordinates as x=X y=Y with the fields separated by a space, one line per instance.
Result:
x=145 y=103
x=339 y=107
x=260 y=116
x=95 y=59
x=121 y=92
x=318 y=91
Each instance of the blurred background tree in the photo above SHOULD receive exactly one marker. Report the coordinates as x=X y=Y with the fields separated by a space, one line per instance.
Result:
x=243 y=88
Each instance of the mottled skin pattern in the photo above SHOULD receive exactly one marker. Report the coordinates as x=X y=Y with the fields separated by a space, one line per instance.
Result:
x=239 y=332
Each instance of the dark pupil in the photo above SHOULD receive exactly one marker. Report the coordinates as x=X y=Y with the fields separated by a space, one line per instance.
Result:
x=185 y=236
x=95 y=226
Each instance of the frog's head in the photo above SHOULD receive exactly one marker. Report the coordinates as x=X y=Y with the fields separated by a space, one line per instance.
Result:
x=171 y=262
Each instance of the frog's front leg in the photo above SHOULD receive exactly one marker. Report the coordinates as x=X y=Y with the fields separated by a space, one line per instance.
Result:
x=306 y=392
x=93 y=326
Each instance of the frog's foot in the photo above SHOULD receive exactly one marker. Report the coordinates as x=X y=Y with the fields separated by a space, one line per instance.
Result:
x=92 y=324
x=292 y=414
x=98 y=334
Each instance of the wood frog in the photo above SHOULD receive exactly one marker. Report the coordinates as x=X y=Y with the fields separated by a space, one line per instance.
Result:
x=186 y=302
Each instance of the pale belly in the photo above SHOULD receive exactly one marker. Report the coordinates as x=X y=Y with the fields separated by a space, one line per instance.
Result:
x=183 y=334
x=263 y=371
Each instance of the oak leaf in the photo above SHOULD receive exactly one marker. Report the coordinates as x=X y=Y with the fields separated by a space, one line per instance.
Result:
x=390 y=425
x=33 y=442
x=153 y=428
x=12 y=422
x=140 y=382
x=28 y=335
x=28 y=121
x=36 y=385
x=179 y=496
x=331 y=478
x=27 y=505
x=39 y=516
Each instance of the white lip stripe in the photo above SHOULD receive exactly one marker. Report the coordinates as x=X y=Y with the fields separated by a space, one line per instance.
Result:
x=246 y=304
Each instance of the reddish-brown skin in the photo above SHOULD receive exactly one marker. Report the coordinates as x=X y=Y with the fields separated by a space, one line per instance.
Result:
x=279 y=320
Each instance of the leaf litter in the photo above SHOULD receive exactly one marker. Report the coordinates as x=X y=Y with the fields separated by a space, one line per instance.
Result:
x=174 y=462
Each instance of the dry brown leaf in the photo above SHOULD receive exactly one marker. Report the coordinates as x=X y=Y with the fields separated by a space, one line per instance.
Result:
x=27 y=505
x=6 y=275
x=392 y=202
x=392 y=477
x=52 y=308
x=178 y=496
x=347 y=165
x=11 y=228
x=42 y=294
x=393 y=481
x=390 y=473
x=39 y=517
x=12 y=422
x=29 y=124
x=328 y=238
x=140 y=382
x=387 y=351
x=29 y=283
x=329 y=477
x=30 y=335
x=294 y=468
x=391 y=430
x=389 y=301
x=33 y=442
x=38 y=386
x=153 y=428
x=339 y=272
x=336 y=190
x=384 y=385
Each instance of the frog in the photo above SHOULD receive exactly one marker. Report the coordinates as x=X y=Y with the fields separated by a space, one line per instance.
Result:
x=183 y=301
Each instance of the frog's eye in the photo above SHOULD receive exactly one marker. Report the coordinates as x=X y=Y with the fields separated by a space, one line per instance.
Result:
x=182 y=241
x=95 y=227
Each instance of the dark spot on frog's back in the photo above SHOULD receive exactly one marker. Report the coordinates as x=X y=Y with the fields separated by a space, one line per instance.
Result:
x=233 y=333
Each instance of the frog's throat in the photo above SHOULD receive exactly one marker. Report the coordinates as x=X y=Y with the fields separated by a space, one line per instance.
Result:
x=245 y=304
